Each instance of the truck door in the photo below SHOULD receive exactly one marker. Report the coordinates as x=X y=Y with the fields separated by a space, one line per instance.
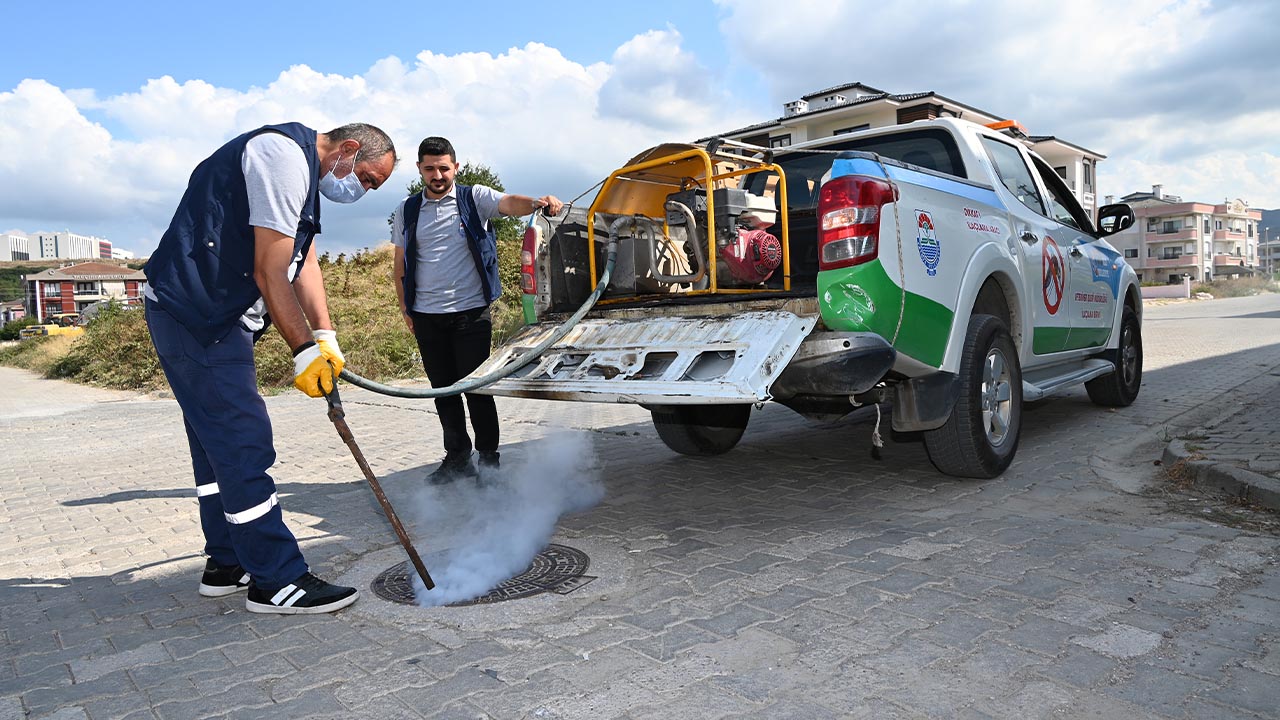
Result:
x=1041 y=254
x=1093 y=267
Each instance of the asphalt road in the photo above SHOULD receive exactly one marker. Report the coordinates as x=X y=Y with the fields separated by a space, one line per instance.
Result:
x=793 y=577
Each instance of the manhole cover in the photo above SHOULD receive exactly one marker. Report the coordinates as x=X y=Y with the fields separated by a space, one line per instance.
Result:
x=558 y=569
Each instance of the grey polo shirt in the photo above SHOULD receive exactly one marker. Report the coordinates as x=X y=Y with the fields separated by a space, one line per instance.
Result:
x=446 y=278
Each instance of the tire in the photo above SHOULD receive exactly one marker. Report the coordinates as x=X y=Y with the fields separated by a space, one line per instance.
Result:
x=700 y=429
x=980 y=438
x=1120 y=388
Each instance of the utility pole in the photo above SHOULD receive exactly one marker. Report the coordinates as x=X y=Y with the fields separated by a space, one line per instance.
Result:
x=1271 y=253
x=1266 y=243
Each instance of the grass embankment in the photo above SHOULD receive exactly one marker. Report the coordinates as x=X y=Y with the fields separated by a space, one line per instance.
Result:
x=115 y=350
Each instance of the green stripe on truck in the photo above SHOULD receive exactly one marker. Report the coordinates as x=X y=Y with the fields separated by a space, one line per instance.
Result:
x=1047 y=340
x=863 y=298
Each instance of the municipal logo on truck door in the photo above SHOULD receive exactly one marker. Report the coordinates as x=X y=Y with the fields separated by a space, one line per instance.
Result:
x=927 y=242
x=1053 y=276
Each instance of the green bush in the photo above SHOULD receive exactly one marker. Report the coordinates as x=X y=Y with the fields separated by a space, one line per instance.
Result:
x=11 y=330
x=115 y=351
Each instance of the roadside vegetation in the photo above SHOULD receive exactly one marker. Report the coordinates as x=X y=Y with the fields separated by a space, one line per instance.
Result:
x=1243 y=287
x=115 y=350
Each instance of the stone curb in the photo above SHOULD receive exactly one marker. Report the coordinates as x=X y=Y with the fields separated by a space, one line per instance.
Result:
x=1241 y=483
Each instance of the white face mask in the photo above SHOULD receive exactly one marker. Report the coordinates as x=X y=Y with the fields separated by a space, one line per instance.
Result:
x=346 y=190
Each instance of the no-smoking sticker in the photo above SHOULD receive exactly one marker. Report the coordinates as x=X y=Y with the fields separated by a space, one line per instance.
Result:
x=1053 y=275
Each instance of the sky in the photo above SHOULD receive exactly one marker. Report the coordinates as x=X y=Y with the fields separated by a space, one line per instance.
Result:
x=106 y=108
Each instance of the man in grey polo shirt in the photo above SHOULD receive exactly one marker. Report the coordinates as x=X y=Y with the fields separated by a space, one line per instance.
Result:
x=446 y=277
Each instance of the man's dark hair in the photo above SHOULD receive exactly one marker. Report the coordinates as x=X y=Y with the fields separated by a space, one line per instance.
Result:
x=373 y=142
x=436 y=146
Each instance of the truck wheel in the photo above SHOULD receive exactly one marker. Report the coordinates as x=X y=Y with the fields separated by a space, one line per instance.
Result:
x=1120 y=388
x=981 y=436
x=700 y=429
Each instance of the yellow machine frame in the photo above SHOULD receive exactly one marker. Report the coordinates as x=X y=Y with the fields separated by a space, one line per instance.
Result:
x=642 y=187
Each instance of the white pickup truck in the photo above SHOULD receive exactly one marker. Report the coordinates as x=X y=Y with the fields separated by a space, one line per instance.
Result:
x=939 y=264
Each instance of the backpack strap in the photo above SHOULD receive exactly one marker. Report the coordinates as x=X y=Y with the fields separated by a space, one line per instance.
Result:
x=412 y=209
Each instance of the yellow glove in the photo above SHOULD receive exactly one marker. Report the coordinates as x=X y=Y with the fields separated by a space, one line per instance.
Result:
x=314 y=370
x=328 y=342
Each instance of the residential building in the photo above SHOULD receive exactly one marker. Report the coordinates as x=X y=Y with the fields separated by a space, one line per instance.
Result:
x=66 y=245
x=848 y=108
x=1269 y=250
x=10 y=311
x=15 y=246
x=1202 y=240
x=72 y=288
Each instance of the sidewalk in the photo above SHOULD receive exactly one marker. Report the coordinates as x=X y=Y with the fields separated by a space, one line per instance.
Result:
x=1240 y=455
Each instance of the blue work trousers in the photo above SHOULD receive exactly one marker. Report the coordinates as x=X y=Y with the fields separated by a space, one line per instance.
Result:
x=231 y=449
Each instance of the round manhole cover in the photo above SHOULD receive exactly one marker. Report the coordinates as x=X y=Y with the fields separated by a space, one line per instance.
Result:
x=558 y=568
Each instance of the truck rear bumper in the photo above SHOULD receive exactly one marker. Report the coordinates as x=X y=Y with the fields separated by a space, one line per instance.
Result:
x=835 y=363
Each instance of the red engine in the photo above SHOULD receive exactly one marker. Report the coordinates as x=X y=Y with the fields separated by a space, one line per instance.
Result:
x=752 y=256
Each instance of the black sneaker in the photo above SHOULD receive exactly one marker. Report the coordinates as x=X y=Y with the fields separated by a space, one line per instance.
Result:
x=308 y=595
x=488 y=460
x=222 y=580
x=452 y=468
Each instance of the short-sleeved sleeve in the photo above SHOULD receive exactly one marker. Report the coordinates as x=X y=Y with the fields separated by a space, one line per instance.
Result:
x=276 y=178
x=486 y=200
x=397 y=225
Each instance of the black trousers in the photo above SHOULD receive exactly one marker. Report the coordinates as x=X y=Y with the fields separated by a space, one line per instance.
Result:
x=452 y=345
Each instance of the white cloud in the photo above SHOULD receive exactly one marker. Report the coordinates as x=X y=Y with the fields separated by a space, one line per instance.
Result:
x=544 y=123
x=1179 y=92
x=655 y=82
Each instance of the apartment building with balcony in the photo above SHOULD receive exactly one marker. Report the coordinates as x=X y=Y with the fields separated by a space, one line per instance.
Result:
x=73 y=288
x=854 y=106
x=1172 y=238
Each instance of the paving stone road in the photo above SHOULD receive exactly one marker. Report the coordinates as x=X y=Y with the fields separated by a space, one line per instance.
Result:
x=794 y=577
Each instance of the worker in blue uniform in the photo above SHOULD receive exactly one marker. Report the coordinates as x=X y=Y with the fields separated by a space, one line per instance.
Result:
x=239 y=255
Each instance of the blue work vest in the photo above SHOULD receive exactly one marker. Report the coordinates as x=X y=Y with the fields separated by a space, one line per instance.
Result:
x=202 y=272
x=480 y=239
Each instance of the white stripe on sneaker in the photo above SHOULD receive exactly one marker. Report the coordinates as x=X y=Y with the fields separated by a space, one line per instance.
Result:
x=207 y=489
x=254 y=512
x=295 y=598
x=285 y=591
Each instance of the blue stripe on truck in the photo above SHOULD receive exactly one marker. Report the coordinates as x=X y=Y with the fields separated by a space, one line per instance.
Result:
x=862 y=166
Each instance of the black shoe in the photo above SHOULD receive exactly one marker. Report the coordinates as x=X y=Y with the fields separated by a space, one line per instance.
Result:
x=488 y=460
x=222 y=580
x=452 y=468
x=308 y=595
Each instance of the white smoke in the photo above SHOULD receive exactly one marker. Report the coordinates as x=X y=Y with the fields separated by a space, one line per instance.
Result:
x=491 y=530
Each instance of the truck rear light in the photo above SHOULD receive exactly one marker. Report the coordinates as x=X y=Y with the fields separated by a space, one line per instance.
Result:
x=528 y=251
x=849 y=220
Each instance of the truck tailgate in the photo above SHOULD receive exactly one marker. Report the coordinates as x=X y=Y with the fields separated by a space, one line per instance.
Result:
x=655 y=361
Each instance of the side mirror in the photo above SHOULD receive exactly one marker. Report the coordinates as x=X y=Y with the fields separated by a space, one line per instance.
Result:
x=1114 y=218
